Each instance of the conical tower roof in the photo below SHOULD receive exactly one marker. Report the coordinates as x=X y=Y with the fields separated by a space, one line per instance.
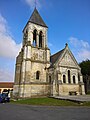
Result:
x=37 y=19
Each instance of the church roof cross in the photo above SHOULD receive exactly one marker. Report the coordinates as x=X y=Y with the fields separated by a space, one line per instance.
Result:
x=35 y=3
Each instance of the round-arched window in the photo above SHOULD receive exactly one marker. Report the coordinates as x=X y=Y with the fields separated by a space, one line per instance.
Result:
x=64 y=79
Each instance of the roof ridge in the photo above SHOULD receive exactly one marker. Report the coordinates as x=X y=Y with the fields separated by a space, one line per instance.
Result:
x=57 y=52
x=55 y=57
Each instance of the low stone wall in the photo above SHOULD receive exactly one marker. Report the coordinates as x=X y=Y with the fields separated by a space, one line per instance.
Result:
x=65 y=89
x=31 y=90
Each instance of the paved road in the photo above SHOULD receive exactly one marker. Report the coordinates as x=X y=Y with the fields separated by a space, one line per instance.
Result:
x=27 y=112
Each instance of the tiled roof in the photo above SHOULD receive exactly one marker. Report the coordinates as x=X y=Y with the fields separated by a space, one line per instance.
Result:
x=36 y=18
x=55 y=57
x=6 y=84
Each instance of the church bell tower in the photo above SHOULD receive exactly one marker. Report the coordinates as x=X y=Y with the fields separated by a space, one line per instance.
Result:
x=33 y=59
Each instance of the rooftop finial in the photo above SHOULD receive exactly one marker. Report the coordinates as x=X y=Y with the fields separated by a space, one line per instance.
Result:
x=66 y=44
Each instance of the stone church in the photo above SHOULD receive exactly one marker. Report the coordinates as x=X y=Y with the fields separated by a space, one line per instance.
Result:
x=39 y=74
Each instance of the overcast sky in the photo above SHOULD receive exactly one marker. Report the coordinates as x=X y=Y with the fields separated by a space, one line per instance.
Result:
x=68 y=22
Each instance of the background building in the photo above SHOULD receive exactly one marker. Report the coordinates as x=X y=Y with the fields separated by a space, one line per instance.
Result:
x=6 y=86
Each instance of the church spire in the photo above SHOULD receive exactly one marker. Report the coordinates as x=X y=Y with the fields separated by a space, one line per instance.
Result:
x=37 y=19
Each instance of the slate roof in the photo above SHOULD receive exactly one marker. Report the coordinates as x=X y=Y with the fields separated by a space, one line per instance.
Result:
x=55 y=57
x=6 y=84
x=37 y=19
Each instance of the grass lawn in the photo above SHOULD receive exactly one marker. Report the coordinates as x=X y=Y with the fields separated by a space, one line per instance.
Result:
x=48 y=102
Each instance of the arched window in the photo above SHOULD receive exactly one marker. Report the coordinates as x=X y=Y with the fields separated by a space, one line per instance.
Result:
x=78 y=77
x=37 y=75
x=49 y=79
x=69 y=77
x=40 y=39
x=74 y=80
x=34 y=37
x=64 y=79
x=26 y=31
